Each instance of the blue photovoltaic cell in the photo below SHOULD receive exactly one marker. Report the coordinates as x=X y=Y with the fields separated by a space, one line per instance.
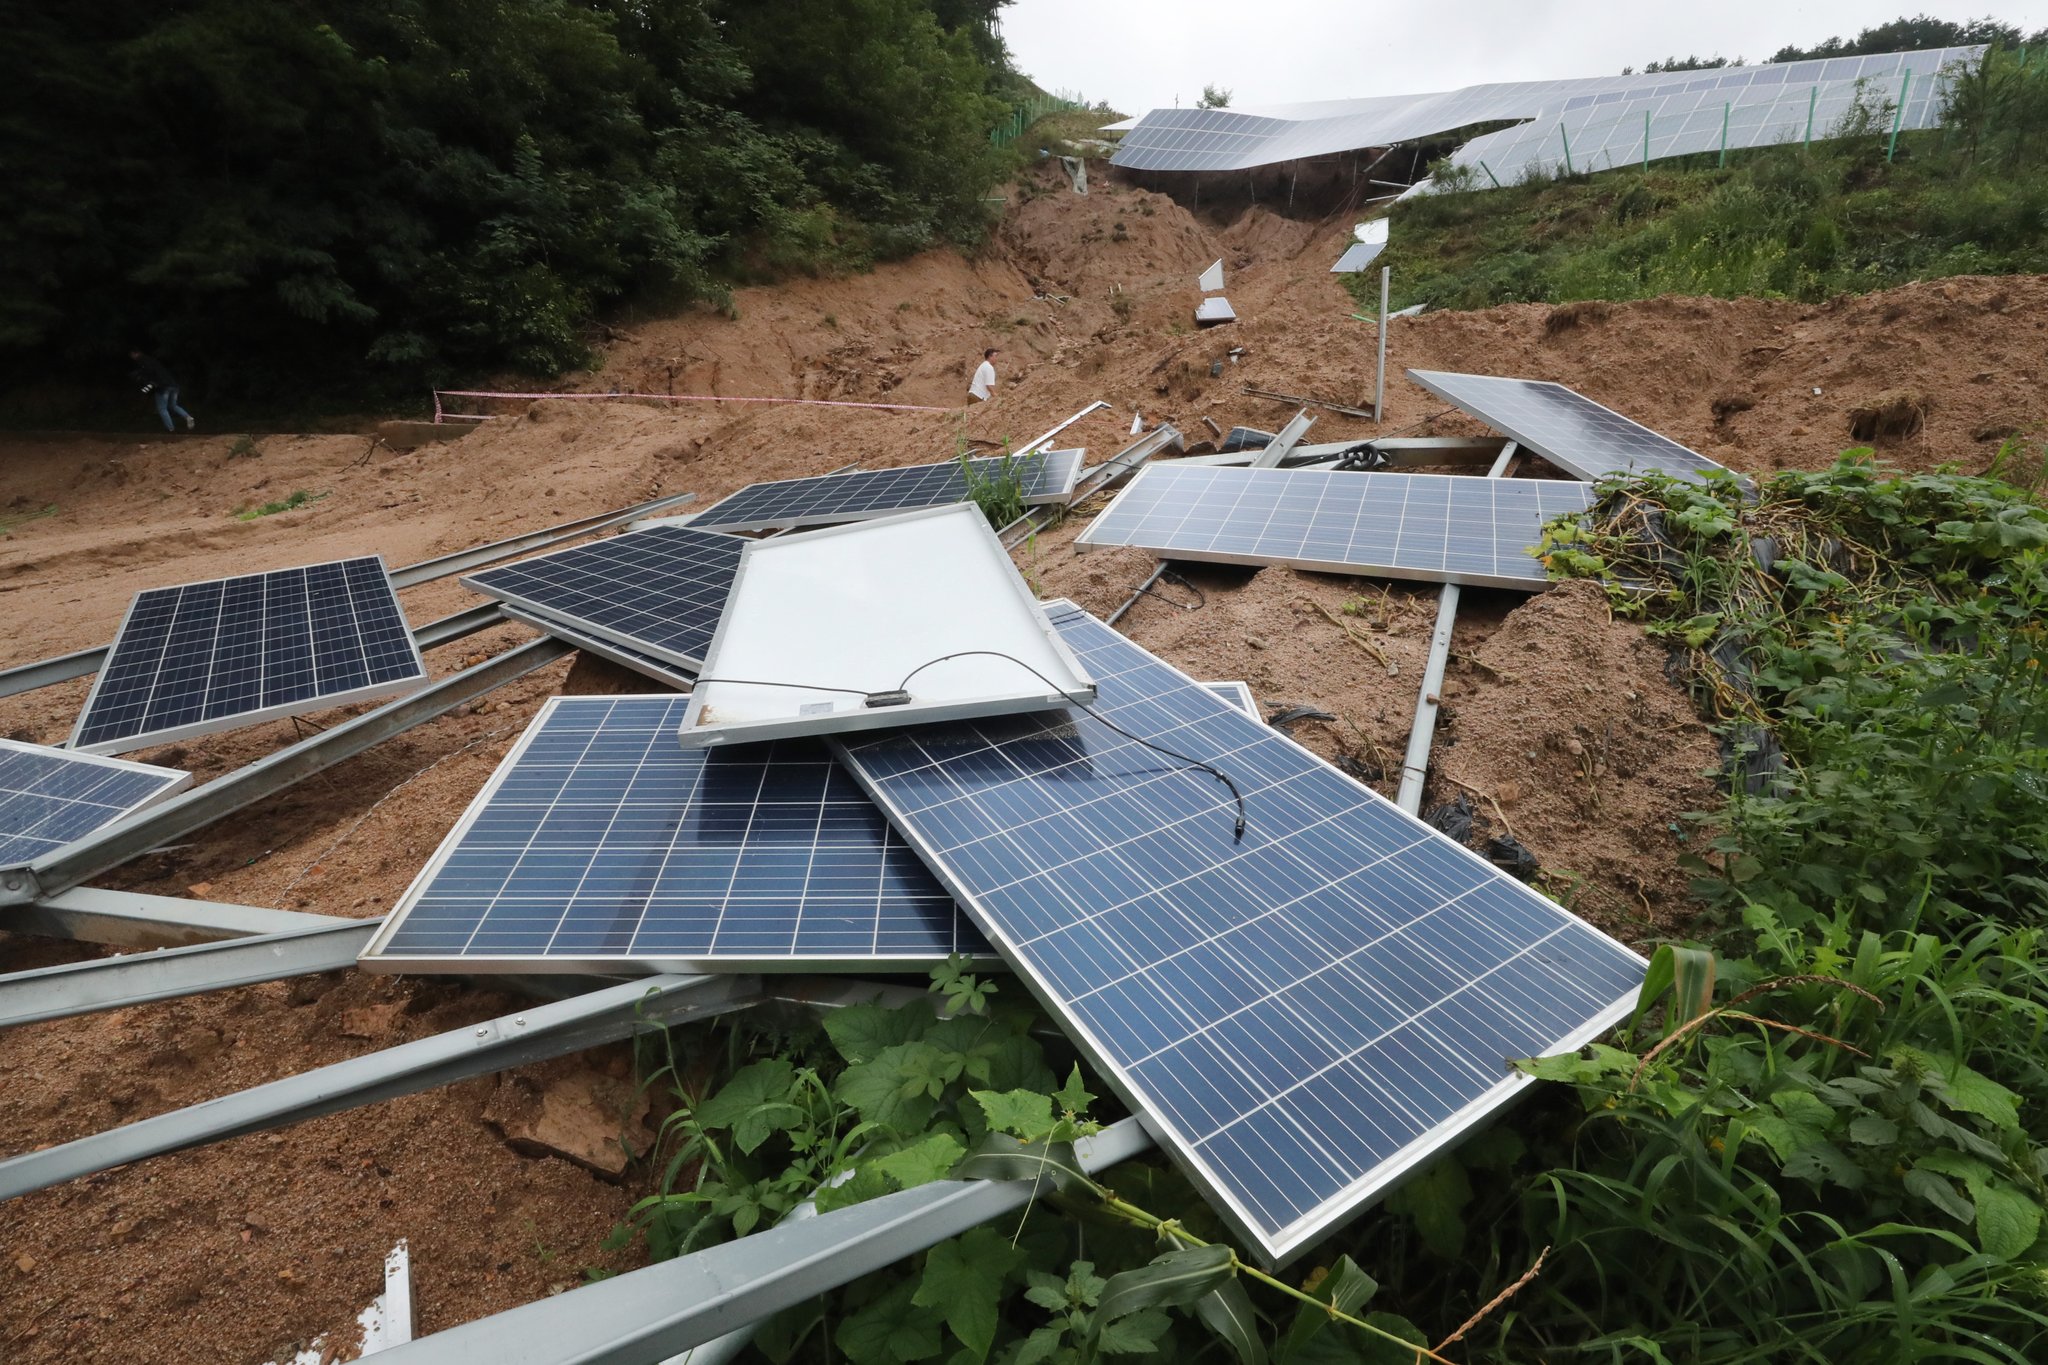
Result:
x=52 y=797
x=600 y=840
x=1042 y=476
x=1439 y=528
x=1566 y=428
x=658 y=591
x=1303 y=1015
x=209 y=656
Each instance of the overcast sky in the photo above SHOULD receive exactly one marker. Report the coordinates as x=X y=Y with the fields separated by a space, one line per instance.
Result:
x=1140 y=54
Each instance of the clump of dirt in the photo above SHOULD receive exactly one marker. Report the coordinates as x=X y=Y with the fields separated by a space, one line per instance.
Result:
x=1566 y=316
x=1728 y=404
x=1901 y=412
x=1575 y=741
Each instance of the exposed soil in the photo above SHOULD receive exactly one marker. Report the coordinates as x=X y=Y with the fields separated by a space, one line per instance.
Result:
x=1558 y=716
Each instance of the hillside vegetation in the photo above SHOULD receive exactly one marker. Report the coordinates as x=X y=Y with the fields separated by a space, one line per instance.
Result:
x=1965 y=199
x=327 y=197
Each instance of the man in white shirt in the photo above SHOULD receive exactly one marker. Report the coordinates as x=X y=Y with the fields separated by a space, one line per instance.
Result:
x=984 y=378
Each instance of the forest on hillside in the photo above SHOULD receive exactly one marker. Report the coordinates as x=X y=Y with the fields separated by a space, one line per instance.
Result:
x=327 y=196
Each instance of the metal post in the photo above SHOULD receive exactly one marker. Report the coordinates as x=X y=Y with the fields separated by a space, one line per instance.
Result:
x=1489 y=174
x=1422 y=733
x=1899 y=116
x=1646 y=142
x=1812 y=100
x=1724 y=132
x=1284 y=441
x=661 y=1310
x=1379 y=383
x=195 y=809
x=137 y=919
x=1567 y=148
x=112 y=983
x=533 y=1035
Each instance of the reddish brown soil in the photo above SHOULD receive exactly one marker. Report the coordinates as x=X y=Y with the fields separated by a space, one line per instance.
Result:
x=242 y=1250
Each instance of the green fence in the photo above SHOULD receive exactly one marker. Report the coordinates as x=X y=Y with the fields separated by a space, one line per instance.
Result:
x=1028 y=113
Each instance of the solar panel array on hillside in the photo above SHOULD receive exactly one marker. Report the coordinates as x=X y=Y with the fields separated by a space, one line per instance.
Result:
x=1303 y=1013
x=200 y=657
x=1234 y=139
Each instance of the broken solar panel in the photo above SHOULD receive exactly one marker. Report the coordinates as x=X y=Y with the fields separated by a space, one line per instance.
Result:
x=1238 y=694
x=1303 y=1015
x=600 y=843
x=661 y=670
x=1357 y=257
x=1566 y=428
x=201 y=657
x=53 y=797
x=1438 y=528
x=1044 y=476
x=658 y=591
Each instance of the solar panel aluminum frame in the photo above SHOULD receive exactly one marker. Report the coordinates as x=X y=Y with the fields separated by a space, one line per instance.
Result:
x=372 y=956
x=127 y=765
x=283 y=711
x=1460 y=577
x=568 y=632
x=1065 y=464
x=1354 y=1199
x=694 y=734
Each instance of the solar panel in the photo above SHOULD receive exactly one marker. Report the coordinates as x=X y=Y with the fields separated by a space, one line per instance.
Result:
x=1238 y=694
x=1357 y=257
x=661 y=670
x=1045 y=476
x=1568 y=429
x=1438 y=528
x=53 y=797
x=1214 y=310
x=202 y=657
x=599 y=843
x=1302 y=1016
x=658 y=591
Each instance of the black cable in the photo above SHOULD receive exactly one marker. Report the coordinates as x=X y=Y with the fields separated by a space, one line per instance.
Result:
x=1210 y=768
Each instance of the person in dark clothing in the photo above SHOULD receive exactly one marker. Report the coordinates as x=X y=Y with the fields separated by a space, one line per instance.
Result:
x=161 y=385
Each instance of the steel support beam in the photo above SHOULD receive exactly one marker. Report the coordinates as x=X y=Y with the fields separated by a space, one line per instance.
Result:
x=1422 y=730
x=448 y=629
x=1046 y=439
x=114 y=983
x=662 y=1310
x=1284 y=441
x=136 y=919
x=513 y=1040
x=462 y=561
x=195 y=809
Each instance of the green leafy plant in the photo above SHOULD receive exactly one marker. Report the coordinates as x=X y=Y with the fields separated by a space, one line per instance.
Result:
x=997 y=486
x=298 y=499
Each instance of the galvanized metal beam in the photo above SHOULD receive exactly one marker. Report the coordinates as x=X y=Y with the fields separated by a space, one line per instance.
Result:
x=195 y=809
x=1283 y=441
x=1046 y=439
x=448 y=629
x=136 y=979
x=462 y=561
x=515 y=1039
x=1429 y=699
x=662 y=1310
x=136 y=919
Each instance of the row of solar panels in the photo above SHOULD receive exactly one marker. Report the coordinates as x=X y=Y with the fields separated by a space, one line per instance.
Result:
x=1303 y=989
x=1233 y=139
x=1441 y=528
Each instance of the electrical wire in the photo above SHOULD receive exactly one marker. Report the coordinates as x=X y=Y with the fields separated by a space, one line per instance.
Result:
x=1210 y=768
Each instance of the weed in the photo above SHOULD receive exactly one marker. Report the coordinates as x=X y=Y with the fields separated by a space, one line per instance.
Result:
x=244 y=447
x=8 y=524
x=830 y=321
x=299 y=499
x=997 y=486
x=1121 y=304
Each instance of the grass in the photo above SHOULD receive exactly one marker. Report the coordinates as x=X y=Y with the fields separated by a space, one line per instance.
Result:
x=298 y=499
x=997 y=488
x=8 y=524
x=1966 y=199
